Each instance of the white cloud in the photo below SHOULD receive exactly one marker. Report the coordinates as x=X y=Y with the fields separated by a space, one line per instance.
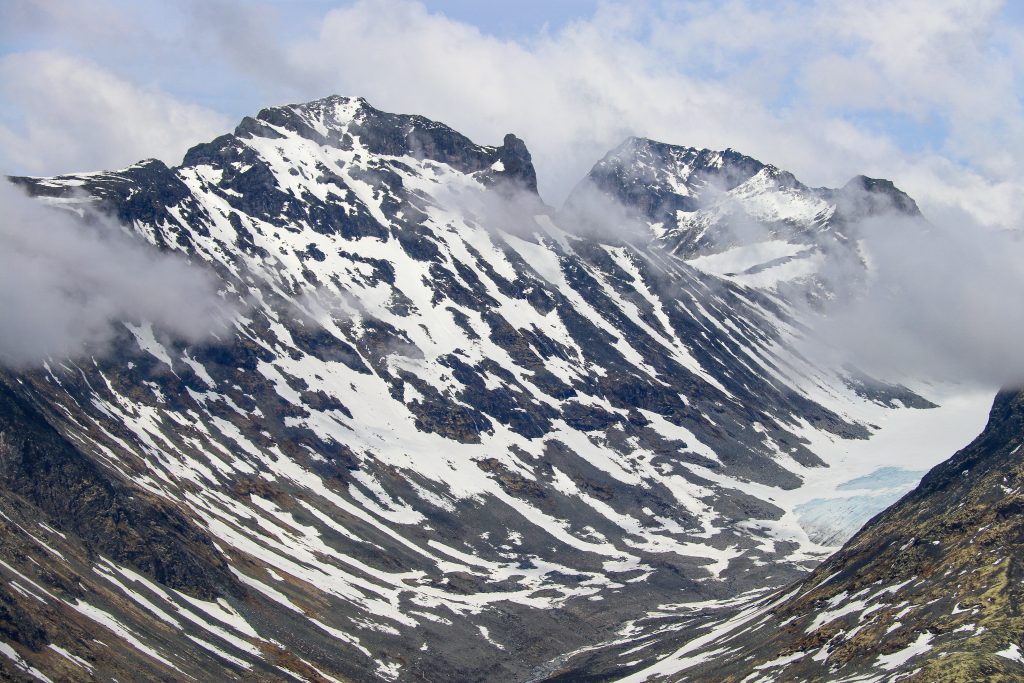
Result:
x=65 y=284
x=940 y=303
x=572 y=95
x=74 y=115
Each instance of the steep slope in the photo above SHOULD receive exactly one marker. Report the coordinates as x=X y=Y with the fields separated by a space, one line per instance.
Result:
x=446 y=437
x=70 y=530
x=929 y=590
x=811 y=251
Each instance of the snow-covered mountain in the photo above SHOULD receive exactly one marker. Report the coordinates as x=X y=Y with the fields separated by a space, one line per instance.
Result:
x=452 y=432
x=733 y=216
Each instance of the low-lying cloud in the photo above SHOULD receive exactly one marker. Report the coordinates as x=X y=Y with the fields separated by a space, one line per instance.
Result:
x=66 y=283
x=940 y=301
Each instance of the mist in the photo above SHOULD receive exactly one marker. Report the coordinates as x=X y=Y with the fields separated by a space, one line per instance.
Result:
x=65 y=283
x=591 y=212
x=940 y=301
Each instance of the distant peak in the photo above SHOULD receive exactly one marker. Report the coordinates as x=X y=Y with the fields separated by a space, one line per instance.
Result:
x=657 y=179
x=640 y=151
x=641 y=144
x=864 y=196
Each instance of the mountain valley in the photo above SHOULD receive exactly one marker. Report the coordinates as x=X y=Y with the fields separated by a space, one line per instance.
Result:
x=445 y=431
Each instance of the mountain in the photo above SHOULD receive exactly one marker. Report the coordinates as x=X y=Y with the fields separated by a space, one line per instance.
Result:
x=929 y=590
x=451 y=433
x=733 y=216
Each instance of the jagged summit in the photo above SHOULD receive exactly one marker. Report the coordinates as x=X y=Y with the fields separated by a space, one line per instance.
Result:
x=658 y=179
x=734 y=216
x=348 y=123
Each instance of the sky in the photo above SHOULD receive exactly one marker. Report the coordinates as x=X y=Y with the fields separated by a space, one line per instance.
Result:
x=927 y=93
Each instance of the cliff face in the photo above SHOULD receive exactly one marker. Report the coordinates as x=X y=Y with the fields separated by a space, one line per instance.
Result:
x=61 y=514
x=46 y=473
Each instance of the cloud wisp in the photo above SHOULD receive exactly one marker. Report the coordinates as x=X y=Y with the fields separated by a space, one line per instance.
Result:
x=66 y=283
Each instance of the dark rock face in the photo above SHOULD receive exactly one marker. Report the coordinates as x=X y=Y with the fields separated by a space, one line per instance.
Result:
x=929 y=590
x=73 y=494
x=517 y=163
x=445 y=439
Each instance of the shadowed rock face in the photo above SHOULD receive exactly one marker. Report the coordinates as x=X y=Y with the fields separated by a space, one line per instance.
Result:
x=109 y=515
x=445 y=438
x=81 y=513
x=929 y=590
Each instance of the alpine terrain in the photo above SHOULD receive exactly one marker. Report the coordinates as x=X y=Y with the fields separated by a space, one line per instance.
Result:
x=453 y=433
x=929 y=590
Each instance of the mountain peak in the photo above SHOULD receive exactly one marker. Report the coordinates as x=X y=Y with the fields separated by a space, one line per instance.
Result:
x=348 y=123
x=671 y=185
x=657 y=179
x=864 y=196
x=515 y=163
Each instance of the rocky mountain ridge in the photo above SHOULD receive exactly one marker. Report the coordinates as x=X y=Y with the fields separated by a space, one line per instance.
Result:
x=735 y=217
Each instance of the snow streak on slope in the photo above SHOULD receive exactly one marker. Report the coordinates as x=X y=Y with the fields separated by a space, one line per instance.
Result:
x=446 y=433
x=925 y=591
